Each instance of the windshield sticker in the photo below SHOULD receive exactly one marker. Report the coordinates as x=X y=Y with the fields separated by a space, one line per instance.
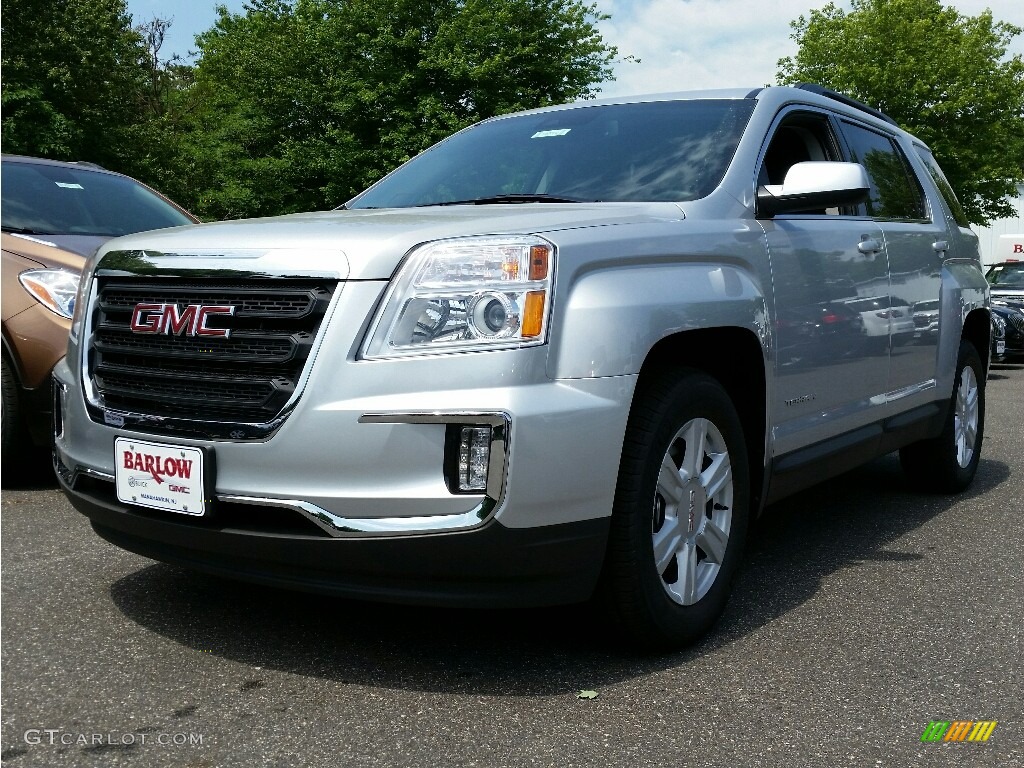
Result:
x=67 y=185
x=546 y=134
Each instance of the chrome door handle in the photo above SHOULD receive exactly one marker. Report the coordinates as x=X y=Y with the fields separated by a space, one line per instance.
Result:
x=869 y=245
x=940 y=246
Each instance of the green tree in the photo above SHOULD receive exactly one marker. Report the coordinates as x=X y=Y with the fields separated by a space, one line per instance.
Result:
x=298 y=104
x=71 y=78
x=158 y=151
x=941 y=75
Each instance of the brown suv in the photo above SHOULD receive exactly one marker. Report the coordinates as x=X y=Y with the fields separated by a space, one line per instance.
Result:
x=54 y=215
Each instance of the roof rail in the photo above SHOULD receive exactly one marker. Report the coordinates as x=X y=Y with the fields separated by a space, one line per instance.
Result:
x=844 y=99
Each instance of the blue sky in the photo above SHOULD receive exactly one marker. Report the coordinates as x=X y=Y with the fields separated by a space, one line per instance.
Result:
x=681 y=44
x=190 y=17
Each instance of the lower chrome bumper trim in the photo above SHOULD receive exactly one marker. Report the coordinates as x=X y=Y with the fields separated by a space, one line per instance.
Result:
x=336 y=525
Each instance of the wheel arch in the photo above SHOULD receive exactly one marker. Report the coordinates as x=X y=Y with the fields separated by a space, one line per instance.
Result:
x=735 y=358
x=978 y=330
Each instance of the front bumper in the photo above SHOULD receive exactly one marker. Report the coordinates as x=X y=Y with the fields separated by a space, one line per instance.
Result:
x=489 y=566
x=349 y=495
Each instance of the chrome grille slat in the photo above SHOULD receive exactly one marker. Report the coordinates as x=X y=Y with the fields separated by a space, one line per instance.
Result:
x=288 y=303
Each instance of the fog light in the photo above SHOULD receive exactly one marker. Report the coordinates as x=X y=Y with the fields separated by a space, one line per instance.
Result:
x=474 y=458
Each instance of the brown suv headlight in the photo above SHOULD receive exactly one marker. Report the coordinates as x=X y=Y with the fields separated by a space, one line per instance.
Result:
x=55 y=289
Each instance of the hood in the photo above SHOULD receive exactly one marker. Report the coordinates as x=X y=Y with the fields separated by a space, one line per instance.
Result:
x=54 y=251
x=1008 y=303
x=998 y=292
x=358 y=244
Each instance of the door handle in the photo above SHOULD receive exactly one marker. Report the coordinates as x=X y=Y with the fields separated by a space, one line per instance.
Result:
x=868 y=245
x=940 y=246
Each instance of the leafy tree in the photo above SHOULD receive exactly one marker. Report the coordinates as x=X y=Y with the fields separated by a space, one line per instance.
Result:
x=298 y=104
x=163 y=76
x=71 y=77
x=159 y=155
x=941 y=75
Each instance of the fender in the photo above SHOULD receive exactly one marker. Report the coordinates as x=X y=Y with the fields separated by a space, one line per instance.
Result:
x=964 y=290
x=612 y=317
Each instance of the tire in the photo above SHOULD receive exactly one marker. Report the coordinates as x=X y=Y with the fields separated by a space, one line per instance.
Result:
x=677 y=533
x=948 y=463
x=13 y=435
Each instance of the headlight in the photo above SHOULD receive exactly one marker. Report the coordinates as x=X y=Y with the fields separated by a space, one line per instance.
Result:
x=466 y=294
x=82 y=300
x=55 y=289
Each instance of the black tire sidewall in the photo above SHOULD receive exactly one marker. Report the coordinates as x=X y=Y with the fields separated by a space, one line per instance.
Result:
x=652 y=617
x=11 y=432
x=960 y=476
x=931 y=464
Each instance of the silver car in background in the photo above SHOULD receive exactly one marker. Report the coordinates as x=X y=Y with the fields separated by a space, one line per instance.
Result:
x=563 y=353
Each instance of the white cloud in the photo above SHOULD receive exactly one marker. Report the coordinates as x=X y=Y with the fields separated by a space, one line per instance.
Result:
x=696 y=44
x=682 y=44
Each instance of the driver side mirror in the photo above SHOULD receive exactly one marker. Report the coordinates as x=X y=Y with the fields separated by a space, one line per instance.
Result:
x=814 y=185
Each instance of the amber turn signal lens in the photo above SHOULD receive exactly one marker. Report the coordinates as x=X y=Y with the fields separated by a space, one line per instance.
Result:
x=533 y=314
x=539 y=262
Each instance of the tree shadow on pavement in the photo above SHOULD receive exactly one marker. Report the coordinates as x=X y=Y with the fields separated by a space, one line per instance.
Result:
x=794 y=546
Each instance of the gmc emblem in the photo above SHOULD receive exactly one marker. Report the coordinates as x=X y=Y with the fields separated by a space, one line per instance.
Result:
x=190 y=321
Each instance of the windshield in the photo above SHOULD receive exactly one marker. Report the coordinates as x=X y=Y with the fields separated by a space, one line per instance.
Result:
x=59 y=200
x=657 y=151
x=1007 y=275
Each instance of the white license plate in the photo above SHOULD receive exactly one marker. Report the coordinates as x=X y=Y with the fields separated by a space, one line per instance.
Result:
x=159 y=476
x=1000 y=347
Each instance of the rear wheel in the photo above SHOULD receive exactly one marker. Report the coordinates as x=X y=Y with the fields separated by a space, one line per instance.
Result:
x=948 y=463
x=681 y=512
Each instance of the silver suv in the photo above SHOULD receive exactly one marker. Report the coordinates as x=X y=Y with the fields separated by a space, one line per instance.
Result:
x=563 y=353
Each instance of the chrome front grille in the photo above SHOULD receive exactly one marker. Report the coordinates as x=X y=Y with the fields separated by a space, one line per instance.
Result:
x=245 y=375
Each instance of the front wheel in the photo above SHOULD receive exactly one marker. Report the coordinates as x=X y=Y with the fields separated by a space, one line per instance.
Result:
x=681 y=512
x=948 y=463
x=13 y=432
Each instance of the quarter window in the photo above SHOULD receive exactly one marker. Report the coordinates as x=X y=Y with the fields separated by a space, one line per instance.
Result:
x=944 y=187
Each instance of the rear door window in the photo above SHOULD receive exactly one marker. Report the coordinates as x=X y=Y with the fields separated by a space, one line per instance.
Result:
x=895 y=191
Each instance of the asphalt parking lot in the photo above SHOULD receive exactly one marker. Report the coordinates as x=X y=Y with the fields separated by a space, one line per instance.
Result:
x=864 y=612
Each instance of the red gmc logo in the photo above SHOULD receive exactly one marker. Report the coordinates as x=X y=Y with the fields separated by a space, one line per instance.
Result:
x=167 y=318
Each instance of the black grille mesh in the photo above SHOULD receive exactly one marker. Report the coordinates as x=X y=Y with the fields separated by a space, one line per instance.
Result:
x=248 y=376
x=240 y=346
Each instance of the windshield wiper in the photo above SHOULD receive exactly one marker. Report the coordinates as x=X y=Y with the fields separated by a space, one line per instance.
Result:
x=537 y=197
x=23 y=231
